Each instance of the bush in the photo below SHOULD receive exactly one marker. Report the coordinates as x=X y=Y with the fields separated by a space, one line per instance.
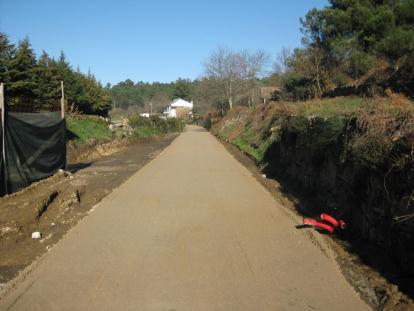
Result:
x=147 y=127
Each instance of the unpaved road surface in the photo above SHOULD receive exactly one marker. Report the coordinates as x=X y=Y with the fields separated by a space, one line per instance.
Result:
x=192 y=230
x=56 y=204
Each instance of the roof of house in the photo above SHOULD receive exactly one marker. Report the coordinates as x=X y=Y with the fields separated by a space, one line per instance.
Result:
x=181 y=103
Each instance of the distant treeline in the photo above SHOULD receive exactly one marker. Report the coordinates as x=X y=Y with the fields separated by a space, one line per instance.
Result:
x=353 y=46
x=32 y=81
x=142 y=96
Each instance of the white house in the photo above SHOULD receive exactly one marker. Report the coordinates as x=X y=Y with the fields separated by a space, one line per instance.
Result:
x=171 y=111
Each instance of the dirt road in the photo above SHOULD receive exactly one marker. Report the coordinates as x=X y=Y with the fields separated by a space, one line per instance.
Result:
x=192 y=230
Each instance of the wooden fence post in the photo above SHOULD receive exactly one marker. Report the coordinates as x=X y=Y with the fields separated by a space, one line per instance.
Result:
x=3 y=140
x=62 y=101
x=63 y=111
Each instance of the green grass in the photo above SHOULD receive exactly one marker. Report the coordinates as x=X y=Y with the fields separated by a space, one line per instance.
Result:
x=145 y=132
x=86 y=128
x=247 y=148
x=328 y=107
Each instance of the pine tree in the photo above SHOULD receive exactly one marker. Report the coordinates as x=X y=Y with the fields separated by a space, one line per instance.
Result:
x=48 y=91
x=36 y=84
x=73 y=88
x=7 y=51
x=22 y=85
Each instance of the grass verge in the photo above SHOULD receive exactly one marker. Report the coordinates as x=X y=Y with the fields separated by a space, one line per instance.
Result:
x=82 y=129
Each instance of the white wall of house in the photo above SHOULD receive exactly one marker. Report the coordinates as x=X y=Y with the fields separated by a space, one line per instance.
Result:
x=171 y=111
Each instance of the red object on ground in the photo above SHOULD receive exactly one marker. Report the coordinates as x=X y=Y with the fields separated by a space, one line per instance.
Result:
x=330 y=219
x=317 y=224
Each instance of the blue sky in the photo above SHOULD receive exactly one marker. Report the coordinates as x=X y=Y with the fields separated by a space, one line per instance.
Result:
x=151 y=40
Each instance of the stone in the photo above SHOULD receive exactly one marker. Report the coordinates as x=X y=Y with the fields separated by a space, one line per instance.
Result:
x=36 y=235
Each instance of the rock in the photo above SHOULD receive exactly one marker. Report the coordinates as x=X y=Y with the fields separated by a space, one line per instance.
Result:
x=393 y=289
x=264 y=175
x=36 y=235
x=6 y=229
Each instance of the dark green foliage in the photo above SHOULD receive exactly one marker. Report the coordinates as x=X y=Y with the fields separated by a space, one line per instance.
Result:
x=21 y=71
x=371 y=150
x=368 y=24
x=297 y=87
x=147 y=127
x=320 y=136
x=35 y=83
x=6 y=54
x=183 y=89
x=48 y=84
x=126 y=93
x=356 y=37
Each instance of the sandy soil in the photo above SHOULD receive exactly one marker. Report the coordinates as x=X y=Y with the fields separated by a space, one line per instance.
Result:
x=55 y=205
x=192 y=230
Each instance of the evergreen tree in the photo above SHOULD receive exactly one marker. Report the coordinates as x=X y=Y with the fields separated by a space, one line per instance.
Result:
x=22 y=84
x=7 y=51
x=48 y=91
x=182 y=89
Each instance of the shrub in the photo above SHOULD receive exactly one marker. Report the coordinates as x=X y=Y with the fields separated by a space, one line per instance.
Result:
x=147 y=127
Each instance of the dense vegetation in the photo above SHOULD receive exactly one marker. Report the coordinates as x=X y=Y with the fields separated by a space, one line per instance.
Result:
x=33 y=83
x=90 y=128
x=141 y=96
x=154 y=126
x=363 y=45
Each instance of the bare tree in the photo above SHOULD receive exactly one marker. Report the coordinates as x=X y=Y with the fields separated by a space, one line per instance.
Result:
x=209 y=94
x=158 y=102
x=236 y=72
x=223 y=65
x=257 y=63
x=282 y=60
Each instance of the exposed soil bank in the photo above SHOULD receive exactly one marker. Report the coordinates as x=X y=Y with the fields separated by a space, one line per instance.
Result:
x=54 y=205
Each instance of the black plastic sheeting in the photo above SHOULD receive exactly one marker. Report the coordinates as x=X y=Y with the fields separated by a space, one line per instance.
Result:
x=35 y=149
